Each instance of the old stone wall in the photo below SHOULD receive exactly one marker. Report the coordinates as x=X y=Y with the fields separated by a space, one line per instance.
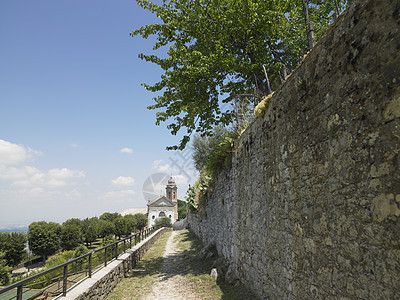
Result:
x=105 y=280
x=310 y=207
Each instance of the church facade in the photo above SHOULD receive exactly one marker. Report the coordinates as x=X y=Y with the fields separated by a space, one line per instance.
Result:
x=164 y=206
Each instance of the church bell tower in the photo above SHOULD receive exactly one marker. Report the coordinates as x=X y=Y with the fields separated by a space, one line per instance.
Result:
x=172 y=195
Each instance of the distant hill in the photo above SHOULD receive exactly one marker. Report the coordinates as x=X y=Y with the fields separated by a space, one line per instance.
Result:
x=13 y=228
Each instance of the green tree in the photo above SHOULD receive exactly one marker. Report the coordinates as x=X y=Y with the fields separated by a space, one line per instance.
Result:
x=44 y=238
x=71 y=236
x=13 y=246
x=5 y=270
x=107 y=216
x=90 y=230
x=74 y=222
x=121 y=227
x=130 y=224
x=141 y=221
x=106 y=228
x=163 y=222
x=218 y=49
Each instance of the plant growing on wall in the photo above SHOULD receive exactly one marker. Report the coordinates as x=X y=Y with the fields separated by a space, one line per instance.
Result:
x=209 y=155
x=221 y=155
x=182 y=209
x=197 y=194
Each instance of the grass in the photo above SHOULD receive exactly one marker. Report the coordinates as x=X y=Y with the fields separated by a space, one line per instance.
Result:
x=139 y=282
x=96 y=244
x=196 y=282
x=198 y=272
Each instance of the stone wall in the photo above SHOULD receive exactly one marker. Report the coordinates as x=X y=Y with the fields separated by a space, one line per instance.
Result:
x=105 y=280
x=310 y=207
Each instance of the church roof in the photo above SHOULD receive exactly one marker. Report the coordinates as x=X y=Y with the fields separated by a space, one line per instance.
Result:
x=161 y=201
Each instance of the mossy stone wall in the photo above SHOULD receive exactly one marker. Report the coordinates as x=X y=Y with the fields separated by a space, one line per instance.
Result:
x=311 y=206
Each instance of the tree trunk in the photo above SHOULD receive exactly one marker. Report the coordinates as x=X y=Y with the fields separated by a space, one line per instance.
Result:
x=310 y=26
x=337 y=8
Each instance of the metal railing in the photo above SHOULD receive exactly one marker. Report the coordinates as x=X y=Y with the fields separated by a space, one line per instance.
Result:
x=111 y=252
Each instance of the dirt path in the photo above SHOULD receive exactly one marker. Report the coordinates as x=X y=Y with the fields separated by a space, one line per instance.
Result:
x=170 y=285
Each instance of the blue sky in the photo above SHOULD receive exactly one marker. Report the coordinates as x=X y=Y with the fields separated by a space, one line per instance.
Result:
x=76 y=139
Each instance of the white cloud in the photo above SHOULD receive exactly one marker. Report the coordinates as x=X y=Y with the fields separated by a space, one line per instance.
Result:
x=180 y=179
x=12 y=154
x=126 y=150
x=123 y=181
x=28 y=177
x=65 y=173
x=31 y=177
x=163 y=168
x=156 y=163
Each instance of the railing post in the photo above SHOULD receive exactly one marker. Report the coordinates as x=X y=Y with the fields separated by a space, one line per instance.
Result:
x=135 y=239
x=130 y=242
x=105 y=257
x=116 y=250
x=124 y=245
x=90 y=265
x=19 y=292
x=65 y=276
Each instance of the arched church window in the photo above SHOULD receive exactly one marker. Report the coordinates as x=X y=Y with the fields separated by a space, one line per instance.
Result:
x=170 y=216
x=161 y=215
x=153 y=217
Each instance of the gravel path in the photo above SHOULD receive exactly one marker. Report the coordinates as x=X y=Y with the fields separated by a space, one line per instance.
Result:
x=170 y=284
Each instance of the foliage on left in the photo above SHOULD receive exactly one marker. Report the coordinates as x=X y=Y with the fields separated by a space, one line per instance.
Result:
x=5 y=275
x=59 y=241
x=12 y=252
x=13 y=246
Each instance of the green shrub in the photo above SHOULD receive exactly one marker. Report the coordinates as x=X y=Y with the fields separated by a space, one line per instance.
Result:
x=182 y=209
x=221 y=155
x=163 y=222
x=108 y=239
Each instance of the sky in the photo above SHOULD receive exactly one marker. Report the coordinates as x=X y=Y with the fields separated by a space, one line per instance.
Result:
x=76 y=137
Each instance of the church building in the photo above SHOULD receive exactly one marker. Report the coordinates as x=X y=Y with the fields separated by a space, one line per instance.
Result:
x=164 y=206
